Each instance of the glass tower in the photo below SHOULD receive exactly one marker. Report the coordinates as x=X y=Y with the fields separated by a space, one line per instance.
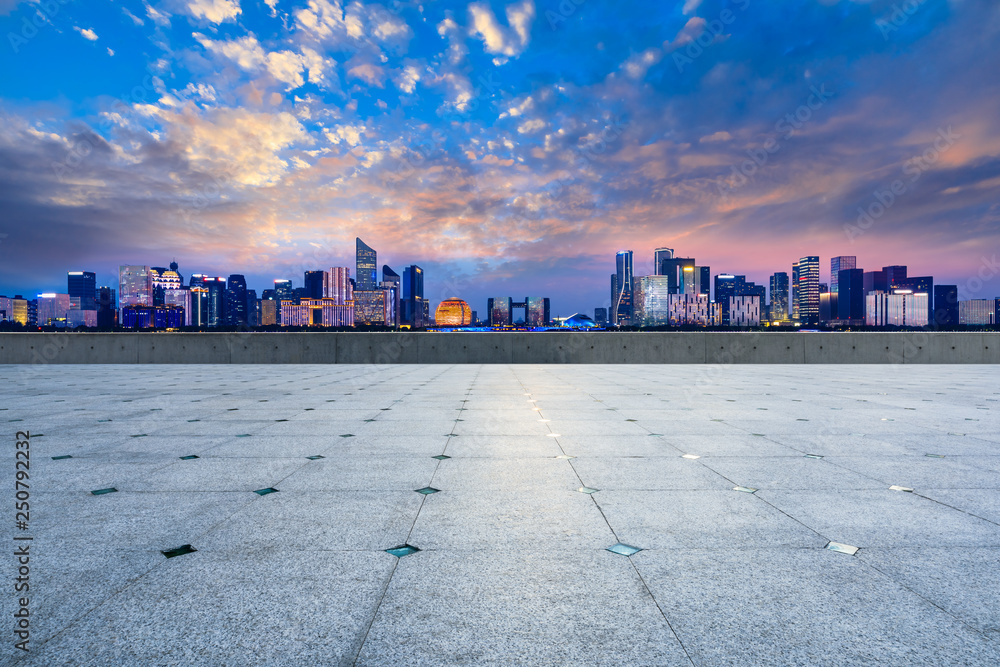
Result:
x=82 y=289
x=779 y=297
x=622 y=304
x=367 y=268
x=838 y=264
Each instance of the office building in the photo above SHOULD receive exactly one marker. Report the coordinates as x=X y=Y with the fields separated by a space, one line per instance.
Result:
x=314 y=284
x=283 y=291
x=107 y=308
x=901 y=309
x=372 y=307
x=659 y=255
x=268 y=311
x=651 y=301
x=82 y=289
x=778 y=312
x=728 y=286
x=51 y=309
x=675 y=268
x=875 y=281
x=805 y=290
x=977 y=312
x=693 y=310
x=13 y=309
x=253 y=309
x=850 y=296
x=392 y=283
x=180 y=298
x=337 y=285
x=828 y=305
x=838 y=264
x=744 y=310
x=894 y=274
x=164 y=279
x=235 y=308
x=601 y=316
x=366 y=267
x=500 y=312
x=412 y=302
x=536 y=311
x=945 y=306
x=149 y=317
x=135 y=286
x=324 y=312
x=216 y=301
x=621 y=299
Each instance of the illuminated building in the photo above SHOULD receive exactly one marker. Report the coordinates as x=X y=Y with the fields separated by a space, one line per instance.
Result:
x=621 y=289
x=199 y=306
x=371 y=307
x=135 y=286
x=366 y=267
x=827 y=305
x=838 y=264
x=659 y=255
x=500 y=310
x=148 y=317
x=314 y=284
x=337 y=285
x=779 y=297
x=901 y=309
x=76 y=318
x=163 y=281
x=316 y=313
x=180 y=298
x=268 y=312
x=692 y=309
x=578 y=321
x=977 y=312
x=537 y=311
x=601 y=316
x=82 y=289
x=213 y=316
x=651 y=301
x=52 y=309
x=413 y=305
x=744 y=311
x=107 y=308
x=391 y=283
x=235 y=309
x=13 y=309
x=453 y=313
x=805 y=290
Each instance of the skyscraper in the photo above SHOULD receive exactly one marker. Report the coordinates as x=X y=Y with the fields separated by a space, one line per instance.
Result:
x=851 y=295
x=135 y=286
x=413 y=296
x=367 y=267
x=838 y=264
x=659 y=255
x=314 y=284
x=337 y=285
x=392 y=283
x=107 y=308
x=622 y=302
x=216 y=306
x=82 y=289
x=236 y=301
x=779 y=297
x=283 y=291
x=500 y=311
x=805 y=290
x=728 y=286
x=675 y=268
x=945 y=306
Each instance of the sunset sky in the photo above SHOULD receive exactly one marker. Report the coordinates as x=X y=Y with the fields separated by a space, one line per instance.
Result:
x=509 y=148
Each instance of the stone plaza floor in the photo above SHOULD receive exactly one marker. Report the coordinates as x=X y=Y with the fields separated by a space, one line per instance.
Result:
x=512 y=482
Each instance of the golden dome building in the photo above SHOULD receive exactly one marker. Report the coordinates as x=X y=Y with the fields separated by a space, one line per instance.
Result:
x=453 y=313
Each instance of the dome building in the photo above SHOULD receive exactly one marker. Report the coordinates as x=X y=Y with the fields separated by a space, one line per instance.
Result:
x=453 y=313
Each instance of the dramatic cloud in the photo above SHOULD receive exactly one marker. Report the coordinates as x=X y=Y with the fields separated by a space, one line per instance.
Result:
x=215 y=11
x=509 y=41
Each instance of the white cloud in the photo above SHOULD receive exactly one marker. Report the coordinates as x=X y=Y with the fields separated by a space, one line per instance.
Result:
x=135 y=19
x=245 y=51
x=87 y=33
x=272 y=5
x=519 y=109
x=457 y=50
x=506 y=41
x=328 y=21
x=637 y=65
x=349 y=134
x=370 y=73
x=215 y=11
x=320 y=68
x=721 y=135
x=287 y=67
x=690 y=7
x=158 y=17
x=111 y=51
x=408 y=78
x=530 y=126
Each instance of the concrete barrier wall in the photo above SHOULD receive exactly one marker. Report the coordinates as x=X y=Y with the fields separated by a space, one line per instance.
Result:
x=489 y=348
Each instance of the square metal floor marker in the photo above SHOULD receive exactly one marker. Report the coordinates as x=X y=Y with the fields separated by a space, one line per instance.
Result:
x=402 y=550
x=346 y=435
x=631 y=420
x=315 y=458
x=60 y=458
x=369 y=420
x=441 y=457
x=690 y=456
x=842 y=548
x=189 y=457
x=140 y=435
x=427 y=490
x=264 y=492
x=900 y=488
x=179 y=551
x=813 y=456
x=623 y=549
x=745 y=489
x=101 y=492
x=587 y=490
x=280 y=420
x=243 y=435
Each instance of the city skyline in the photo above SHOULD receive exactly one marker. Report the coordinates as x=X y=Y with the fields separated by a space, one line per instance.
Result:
x=497 y=144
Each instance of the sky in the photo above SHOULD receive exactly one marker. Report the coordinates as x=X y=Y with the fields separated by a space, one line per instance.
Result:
x=508 y=148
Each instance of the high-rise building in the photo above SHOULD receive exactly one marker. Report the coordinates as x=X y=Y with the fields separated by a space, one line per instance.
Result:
x=851 y=295
x=268 y=311
x=82 y=289
x=728 y=286
x=917 y=285
x=135 y=286
x=315 y=284
x=901 y=309
x=828 y=305
x=659 y=255
x=601 y=316
x=693 y=310
x=391 y=282
x=372 y=307
x=283 y=291
x=744 y=310
x=216 y=301
x=337 y=285
x=674 y=268
x=107 y=308
x=536 y=311
x=412 y=301
x=164 y=279
x=805 y=290
x=779 y=297
x=253 y=309
x=52 y=309
x=894 y=274
x=838 y=264
x=367 y=267
x=622 y=300
x=945 y=306
x=235 y=308
x=500 y=311
x=180 y=298
x=974 y=312
x=316 y=313
x=651 y=301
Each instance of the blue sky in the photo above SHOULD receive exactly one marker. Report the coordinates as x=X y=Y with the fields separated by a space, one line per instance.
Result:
x=509 y=148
